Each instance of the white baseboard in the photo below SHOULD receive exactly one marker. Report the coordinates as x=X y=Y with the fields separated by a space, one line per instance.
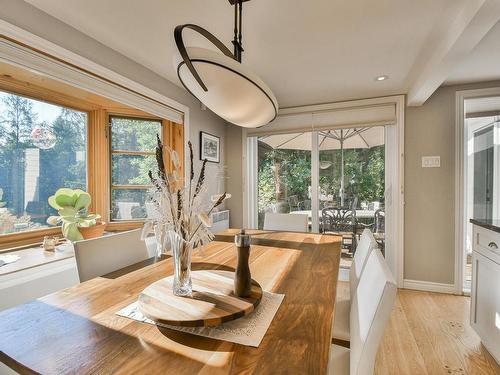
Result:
x=428 y=286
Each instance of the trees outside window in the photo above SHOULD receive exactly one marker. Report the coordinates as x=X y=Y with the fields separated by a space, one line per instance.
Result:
x=133 y=142
x=42 y=148
x=284 y=176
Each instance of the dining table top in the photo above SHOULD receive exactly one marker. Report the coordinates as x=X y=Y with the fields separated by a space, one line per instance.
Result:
x=76 y=330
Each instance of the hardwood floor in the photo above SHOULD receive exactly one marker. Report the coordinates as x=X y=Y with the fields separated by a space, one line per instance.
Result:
x=345 y=259
x=429 y=333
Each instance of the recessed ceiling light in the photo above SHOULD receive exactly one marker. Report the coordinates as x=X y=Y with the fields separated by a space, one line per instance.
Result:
x=381 y=78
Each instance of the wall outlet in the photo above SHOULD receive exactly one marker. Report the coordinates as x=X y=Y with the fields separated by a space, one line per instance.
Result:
x=431 y=161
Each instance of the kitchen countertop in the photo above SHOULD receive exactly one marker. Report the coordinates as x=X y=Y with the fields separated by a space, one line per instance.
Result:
x=493 y=224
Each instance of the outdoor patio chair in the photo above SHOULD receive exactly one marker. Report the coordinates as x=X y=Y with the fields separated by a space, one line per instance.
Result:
x=305 y=205
x=340 y=221
x=280 y=208
x=293 y=201
x=351 y=202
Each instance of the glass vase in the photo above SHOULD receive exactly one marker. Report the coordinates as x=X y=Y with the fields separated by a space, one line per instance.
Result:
x=182 y=251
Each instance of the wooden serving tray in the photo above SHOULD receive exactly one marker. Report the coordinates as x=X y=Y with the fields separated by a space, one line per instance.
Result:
x=213 y=301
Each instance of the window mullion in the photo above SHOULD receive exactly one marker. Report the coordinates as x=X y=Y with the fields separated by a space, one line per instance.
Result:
x=314 y=182
x=129 y=152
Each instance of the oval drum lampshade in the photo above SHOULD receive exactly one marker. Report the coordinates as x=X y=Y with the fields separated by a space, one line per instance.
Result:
x=234 y=92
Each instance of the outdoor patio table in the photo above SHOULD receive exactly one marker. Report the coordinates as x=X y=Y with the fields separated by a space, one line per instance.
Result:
x=360 y=214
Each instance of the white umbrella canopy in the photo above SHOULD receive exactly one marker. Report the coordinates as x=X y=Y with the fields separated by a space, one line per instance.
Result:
x=328 y=139
x=337 y=139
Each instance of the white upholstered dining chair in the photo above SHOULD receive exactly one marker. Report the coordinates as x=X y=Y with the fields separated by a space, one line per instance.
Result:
x=370 y=312
x=365 y=246
x=99 y=256
x=286 y=222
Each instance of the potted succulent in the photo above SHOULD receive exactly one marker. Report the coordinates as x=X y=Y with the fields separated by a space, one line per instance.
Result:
x=72 y=207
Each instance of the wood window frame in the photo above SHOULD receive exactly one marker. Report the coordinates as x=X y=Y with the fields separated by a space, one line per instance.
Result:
x=98 y=153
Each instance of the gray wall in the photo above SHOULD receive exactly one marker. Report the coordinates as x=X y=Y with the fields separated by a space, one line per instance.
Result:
x=234 y=182
x=29 y=18
x=430 y=192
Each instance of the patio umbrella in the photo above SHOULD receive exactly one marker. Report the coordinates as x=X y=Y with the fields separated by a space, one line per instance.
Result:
x=337 y=139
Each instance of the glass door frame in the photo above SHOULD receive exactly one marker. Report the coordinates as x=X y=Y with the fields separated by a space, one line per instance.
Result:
x=314 y=181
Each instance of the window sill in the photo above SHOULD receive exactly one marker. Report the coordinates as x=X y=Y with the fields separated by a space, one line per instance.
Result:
x=35 y=256
x=16 y=241
x=116 y=226
x=11 y=241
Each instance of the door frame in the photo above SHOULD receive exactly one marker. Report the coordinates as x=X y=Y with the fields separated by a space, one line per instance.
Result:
x=396 y=194
x=461 y=179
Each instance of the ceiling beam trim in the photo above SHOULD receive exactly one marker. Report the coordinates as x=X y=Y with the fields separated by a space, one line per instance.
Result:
x=451 y=42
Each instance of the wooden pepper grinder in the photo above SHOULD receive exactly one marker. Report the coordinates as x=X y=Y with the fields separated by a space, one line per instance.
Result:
x=242 y=277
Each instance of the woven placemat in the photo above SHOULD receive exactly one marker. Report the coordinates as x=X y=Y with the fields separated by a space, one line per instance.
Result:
x=248 y=330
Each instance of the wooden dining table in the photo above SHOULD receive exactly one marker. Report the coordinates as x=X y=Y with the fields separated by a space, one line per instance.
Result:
x=76 y=330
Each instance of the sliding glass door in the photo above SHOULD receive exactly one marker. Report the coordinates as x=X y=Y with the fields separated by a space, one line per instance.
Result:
x=284 y=174
x=346 y=167
x=351 y=167
x=351 y=172
x=352 y=164
x=337 y=177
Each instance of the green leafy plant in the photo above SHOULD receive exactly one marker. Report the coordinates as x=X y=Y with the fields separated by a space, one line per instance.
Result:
x=72 y=207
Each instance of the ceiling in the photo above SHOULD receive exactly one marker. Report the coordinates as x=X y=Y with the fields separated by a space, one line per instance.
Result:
x=483 y=63
x=307 y=52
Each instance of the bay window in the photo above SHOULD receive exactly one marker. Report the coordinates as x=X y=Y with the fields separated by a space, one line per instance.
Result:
x=50 y=139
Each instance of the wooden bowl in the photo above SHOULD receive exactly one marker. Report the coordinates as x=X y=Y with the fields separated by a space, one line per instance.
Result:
x=213 y=301
x=93 y=232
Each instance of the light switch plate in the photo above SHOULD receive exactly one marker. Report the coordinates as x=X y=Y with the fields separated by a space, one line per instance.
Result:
x=431 y=161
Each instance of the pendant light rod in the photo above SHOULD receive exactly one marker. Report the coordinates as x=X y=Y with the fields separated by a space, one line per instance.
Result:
x=238 y=17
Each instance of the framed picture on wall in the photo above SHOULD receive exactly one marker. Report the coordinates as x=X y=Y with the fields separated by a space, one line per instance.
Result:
x=209 y=147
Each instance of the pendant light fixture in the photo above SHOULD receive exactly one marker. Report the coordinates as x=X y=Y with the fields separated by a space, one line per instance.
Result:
x=219 y=80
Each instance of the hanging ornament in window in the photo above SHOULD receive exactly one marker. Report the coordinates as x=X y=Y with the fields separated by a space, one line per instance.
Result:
x=43 y=138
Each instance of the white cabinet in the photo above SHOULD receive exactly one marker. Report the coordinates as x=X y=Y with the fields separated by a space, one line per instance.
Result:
x=485 y=293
